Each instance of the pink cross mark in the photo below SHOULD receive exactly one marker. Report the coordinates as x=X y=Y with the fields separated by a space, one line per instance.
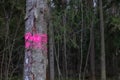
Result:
x=35 y=40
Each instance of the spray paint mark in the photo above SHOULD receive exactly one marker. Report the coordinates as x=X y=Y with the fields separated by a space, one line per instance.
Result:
x=35 y=40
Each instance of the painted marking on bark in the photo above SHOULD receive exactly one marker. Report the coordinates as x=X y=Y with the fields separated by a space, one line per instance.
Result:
x=35 y=40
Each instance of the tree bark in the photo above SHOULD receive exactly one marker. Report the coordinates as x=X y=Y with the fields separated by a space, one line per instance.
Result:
x=92 y=52
x=64 y=45
x=51 y=48
x=65 y=72
x=103 y=67
x=91 y=45
x=81 y=46
x=35 y=40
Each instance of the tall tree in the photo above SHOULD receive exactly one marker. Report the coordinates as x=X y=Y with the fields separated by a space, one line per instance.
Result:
x=81 y=46
x=91 y=45
x=92 y=52
x=35 y=40
x=64 y=2
x=103 y=67
x=51 y=46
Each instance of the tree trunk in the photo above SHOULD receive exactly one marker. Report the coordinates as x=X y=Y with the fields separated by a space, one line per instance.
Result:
x=91 y=45
x=81 y=45
x=64 y=45
x=65 y=73
x=92 y=52
x=35 y=40
x=51 y=49
x=103 y=67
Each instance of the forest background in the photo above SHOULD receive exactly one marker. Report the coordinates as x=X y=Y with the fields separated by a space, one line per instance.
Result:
x=76 y=27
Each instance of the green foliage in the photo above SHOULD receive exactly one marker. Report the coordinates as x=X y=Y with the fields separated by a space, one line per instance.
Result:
x=116 y=22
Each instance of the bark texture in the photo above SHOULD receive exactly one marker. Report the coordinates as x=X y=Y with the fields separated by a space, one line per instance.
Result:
x=35 y=40
x=51 y=47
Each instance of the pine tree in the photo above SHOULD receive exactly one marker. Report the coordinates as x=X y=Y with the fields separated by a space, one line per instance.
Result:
x=35 y=40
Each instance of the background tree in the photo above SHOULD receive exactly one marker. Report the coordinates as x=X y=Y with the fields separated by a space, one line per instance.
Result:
x=103 y=64
x=91 y=49
x=51 y=46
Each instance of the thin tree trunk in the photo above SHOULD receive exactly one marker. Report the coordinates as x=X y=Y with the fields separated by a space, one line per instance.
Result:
x=51 y=49
x=91 y=45
x=92 y=52
x=103 y=67
x=81 y=56
x=64 y=39
x=35 y=40
x=65 y=55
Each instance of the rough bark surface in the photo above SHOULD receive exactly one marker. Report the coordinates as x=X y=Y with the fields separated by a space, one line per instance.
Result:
x=35 y=30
